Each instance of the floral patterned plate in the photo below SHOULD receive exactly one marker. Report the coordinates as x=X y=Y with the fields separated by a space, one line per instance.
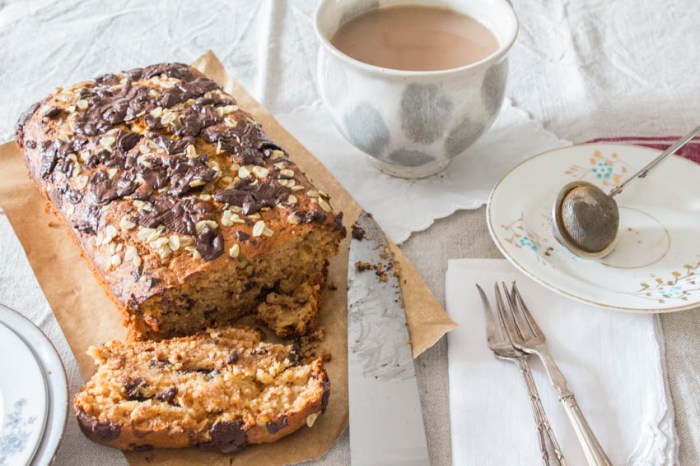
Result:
x=655 y=266
x=24 y=400
x=33 y=393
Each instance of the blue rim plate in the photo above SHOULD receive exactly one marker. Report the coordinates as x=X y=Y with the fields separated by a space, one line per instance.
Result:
x=34 y=405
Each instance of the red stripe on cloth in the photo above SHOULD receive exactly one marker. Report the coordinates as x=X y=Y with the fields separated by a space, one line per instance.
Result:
x=690 y=151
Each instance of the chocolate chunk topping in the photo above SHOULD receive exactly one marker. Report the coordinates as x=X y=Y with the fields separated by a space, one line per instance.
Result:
x=127 y=141
x=189 y=176
x=107 y=80
x=95 y=430
x=233 y=357
x=167 y=396
x=173 y=146
x=172 y=70
x=24 y=118
x=52 y=112
x=134 y=389
x=90 y=220
x=274 y=427
x=104 y=190
x=209 y=243
x=49 y=157
x=176 y=215
x=74 y=197
x=314 y=216
x=226 y=437
x=242 y=236
x=253 y=198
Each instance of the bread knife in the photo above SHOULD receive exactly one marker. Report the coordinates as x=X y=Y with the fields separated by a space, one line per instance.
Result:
x=386 y=421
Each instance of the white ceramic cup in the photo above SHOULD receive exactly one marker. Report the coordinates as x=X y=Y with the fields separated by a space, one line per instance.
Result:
x=413 y=123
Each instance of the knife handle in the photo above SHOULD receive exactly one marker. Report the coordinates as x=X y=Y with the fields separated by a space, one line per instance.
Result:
x=591 y=448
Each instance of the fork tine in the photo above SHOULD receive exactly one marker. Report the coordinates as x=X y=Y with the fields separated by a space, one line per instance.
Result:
x=491 y=334
x=506 y=323
x=524 y=329
x=523 y=307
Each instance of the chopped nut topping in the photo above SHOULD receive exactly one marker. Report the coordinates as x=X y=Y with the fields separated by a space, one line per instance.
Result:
x=197 y=183
x=168 y=117
x=234 y=251
x=144 y=149
x=276 y=154
x=130 y=253
x=293 y=219
x=324 y=205
x=126 y=224
x=115 y=260
x=199 y=226
x=174 y=242
x=110 y=232
x=226 y=219
x=191 y=151
x=260 y=172
x=297 y=187
x=156 y=112
x=107 y=142
x=287 y=172
x=82 y=104
x=229 y=108
x=243 y=172
x=81 y=182
x=292 y=199
x=310 y=419
x=259 y=228
x=141 y=205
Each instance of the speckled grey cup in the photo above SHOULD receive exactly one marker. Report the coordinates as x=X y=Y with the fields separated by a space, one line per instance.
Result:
x=413 y=123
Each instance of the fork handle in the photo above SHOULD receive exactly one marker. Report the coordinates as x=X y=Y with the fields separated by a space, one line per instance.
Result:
x=591 y=448
x=549 y=447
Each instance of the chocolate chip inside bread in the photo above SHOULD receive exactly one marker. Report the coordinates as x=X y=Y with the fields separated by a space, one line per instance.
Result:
x=219 y=390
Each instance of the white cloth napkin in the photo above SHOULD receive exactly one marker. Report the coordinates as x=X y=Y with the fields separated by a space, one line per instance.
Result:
x=402 y=207
x=613 y=362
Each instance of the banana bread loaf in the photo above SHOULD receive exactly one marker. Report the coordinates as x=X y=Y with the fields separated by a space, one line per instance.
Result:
x=188 y=213
x=220 y=389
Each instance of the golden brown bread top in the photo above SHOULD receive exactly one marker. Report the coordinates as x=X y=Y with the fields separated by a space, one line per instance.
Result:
x=161 y=175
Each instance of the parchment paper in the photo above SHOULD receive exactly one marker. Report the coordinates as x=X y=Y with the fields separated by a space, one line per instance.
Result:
x=88 y=317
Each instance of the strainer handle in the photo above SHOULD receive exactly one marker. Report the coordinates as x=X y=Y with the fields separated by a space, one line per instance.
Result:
x=645 y=171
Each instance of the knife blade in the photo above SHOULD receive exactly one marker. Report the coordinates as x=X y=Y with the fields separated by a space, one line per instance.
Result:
x=386 y=422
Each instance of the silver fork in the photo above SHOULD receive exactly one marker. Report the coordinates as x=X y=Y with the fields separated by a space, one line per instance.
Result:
x=501 y=346
x=527 y=336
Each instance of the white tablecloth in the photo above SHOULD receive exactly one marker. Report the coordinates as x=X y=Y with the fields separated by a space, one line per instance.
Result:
x=583 y=69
